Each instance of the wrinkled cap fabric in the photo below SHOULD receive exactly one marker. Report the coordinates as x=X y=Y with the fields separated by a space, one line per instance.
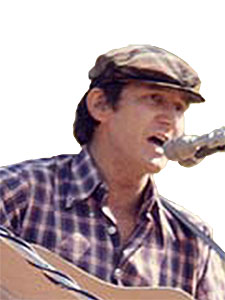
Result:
x=149 y=64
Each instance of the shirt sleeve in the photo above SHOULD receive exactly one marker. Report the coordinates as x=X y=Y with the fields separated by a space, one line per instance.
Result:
x=212 y=284
x=13 y=199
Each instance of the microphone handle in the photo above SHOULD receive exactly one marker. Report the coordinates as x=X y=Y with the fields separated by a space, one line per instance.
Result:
x=205 y=151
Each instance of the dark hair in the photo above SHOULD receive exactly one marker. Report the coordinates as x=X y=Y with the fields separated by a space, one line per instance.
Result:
x=84 y=124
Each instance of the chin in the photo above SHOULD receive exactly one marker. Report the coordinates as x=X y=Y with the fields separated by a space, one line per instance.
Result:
x=155 y=165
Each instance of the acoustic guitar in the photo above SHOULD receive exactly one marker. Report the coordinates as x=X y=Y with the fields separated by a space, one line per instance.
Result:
x=30 y=272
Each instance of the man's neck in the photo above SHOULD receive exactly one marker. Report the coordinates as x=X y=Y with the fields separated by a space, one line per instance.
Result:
x=123 y=182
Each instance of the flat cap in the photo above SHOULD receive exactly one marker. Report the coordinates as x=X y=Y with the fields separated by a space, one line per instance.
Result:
x=150 y=64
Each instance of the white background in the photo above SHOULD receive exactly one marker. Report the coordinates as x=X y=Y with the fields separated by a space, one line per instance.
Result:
x=47 y=48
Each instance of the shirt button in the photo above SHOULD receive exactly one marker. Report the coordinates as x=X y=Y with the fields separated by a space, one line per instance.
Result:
x=91 y=214
x=117 y=272
x=111 y=230
x=149 y=215
x=126 y=252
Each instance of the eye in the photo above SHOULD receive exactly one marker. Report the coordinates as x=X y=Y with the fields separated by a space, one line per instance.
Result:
x=180 y=107
x=157 y=98
x=154 y=98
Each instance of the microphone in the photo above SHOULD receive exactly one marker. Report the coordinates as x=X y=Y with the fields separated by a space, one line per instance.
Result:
x=190 y=150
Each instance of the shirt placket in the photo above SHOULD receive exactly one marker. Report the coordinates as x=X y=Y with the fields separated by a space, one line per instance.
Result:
x=130 y=249
x=124 y=253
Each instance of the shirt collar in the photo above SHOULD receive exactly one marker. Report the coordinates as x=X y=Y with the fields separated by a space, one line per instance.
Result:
x=152 y=201
x=166 y=228
x=85 y=176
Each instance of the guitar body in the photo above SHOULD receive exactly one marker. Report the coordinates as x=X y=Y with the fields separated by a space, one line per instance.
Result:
x=23 y=281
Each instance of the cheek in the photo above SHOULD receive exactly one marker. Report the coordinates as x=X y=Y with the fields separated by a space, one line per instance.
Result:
x=121 y=127
x=127 y=129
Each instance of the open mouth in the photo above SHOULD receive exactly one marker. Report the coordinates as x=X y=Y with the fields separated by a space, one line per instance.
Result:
x=156 y=140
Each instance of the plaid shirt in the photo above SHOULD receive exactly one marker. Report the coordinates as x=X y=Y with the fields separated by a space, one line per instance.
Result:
x=61 y=204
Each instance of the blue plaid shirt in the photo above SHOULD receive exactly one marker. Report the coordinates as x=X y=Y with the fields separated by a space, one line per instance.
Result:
x=60 y=203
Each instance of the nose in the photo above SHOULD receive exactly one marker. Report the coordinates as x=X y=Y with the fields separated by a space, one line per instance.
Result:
x=166 y=121
x=169 y=121
x=167 y=115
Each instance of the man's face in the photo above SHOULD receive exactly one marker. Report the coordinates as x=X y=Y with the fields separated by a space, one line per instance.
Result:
x=145 y=118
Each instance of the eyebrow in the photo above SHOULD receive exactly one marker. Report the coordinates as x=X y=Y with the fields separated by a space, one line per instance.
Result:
x=183 y=100
x=162 y=89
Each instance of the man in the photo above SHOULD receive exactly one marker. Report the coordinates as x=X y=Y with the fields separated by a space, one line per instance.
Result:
x=100 y=209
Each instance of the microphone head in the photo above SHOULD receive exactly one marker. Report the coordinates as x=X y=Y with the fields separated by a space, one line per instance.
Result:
x=181 y=148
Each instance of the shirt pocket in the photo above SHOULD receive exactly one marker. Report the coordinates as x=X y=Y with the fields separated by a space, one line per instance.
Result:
x=74 y=246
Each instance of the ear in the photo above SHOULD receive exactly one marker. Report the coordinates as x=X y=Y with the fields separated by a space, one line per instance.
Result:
x=97 y=105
